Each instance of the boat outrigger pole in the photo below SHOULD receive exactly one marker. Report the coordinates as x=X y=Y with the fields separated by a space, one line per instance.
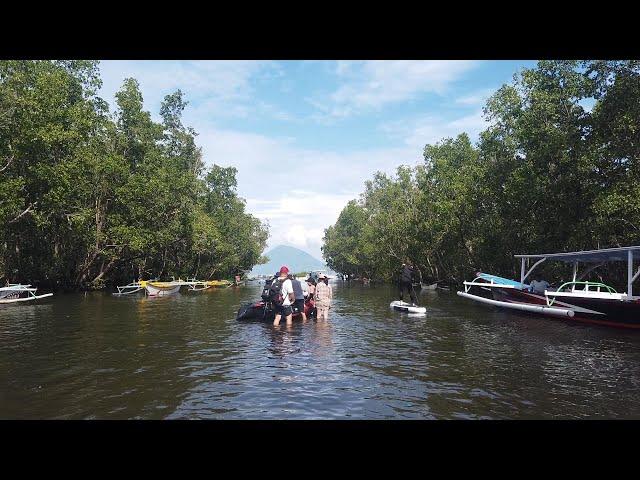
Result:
x=631 y=278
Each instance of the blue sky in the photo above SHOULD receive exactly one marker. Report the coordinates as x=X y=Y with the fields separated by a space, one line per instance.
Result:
x=305 y=135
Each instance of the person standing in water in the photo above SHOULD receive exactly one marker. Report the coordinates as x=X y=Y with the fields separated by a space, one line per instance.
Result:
x=310 y=302
x=405 y=282
x=311 y=287
x=298 y=292
x=323 y=297
x=285 y=297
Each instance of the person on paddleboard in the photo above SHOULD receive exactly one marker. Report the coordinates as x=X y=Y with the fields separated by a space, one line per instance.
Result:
x=405 y=282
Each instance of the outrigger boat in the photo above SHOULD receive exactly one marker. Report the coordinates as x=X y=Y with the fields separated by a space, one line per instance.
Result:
x=16 y=292
x=590 y=302
x=155 y=288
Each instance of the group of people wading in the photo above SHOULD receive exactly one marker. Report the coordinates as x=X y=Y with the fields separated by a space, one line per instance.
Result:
x=290 y=296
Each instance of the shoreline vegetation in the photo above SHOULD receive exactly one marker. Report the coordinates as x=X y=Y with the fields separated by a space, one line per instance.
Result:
x=90 y=198
x=557 y=169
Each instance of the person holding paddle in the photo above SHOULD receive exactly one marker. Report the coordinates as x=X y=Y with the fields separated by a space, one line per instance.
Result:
x=405 y=282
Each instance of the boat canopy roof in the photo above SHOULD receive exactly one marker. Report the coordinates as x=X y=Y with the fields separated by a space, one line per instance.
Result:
x=590 y=256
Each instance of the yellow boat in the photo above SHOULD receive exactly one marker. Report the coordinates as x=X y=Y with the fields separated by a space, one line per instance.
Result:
x=159 y=289
x=219 y=283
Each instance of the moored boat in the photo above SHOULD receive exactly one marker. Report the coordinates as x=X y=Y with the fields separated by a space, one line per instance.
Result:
x=155 y=288
x=160 y=289
x=16 y=292
x=589 y=302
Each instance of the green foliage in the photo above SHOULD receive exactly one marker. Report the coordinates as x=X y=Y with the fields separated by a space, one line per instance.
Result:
x=88 y=198
x=547 y=174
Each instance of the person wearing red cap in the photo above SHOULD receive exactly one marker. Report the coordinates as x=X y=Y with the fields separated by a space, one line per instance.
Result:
x=287 y=298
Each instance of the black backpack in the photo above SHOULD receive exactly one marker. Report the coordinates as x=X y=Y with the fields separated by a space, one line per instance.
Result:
x=266 y=289
x=275 y=292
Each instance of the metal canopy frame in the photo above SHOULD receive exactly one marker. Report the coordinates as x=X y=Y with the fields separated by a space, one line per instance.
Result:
x=599 y=257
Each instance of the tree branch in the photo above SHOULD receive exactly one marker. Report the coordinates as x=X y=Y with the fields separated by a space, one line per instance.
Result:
x=29 y=209
x=11 y=157
x=7 y=164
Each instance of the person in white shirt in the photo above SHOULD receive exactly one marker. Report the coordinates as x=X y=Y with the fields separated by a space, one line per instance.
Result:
x=287 y=296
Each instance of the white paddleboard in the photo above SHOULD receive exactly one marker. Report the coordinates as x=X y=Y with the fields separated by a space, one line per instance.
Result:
x=406 y=307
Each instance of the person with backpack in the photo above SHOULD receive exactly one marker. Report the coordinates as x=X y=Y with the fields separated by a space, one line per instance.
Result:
x=282 y=296
x=298 y=292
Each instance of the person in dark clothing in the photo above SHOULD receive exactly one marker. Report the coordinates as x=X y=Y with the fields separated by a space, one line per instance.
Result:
x=405 y=282
x=298 y=305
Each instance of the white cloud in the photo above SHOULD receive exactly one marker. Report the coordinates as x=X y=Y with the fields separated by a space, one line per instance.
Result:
x=420 y=131
x=298 y=218
x=476 y=98
x=214 y=88
x=373 y=84
x=300 y=192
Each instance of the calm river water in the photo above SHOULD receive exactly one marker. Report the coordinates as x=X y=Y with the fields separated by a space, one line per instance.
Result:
x=98 y=356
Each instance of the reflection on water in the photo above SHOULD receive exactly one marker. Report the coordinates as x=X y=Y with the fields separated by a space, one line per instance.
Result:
x=100 y=356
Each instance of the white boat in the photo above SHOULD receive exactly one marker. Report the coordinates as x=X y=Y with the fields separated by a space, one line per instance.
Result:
x=161 y=289
x=16 y=292
x=584 y=301
x=433 y=286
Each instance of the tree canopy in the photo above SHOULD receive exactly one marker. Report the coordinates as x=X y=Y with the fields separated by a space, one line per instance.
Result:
x=88 y=196
x=557 y=169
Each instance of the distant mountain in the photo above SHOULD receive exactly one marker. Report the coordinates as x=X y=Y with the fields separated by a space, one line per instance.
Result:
x=295 y=259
